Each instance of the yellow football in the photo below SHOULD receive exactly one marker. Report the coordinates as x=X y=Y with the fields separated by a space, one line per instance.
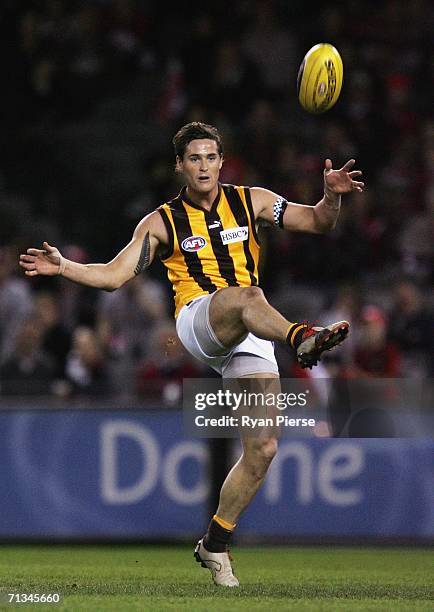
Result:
x=320 y=77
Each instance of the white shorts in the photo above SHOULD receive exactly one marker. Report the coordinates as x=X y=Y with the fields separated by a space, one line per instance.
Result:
x=251 y=356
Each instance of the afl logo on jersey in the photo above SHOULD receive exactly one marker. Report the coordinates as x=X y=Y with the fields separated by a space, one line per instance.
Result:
x=193 y=244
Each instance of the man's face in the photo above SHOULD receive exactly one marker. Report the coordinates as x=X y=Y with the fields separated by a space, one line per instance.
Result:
x=201 y=165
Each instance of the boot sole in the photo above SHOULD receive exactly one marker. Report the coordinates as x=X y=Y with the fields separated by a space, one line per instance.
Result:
x=324 y=341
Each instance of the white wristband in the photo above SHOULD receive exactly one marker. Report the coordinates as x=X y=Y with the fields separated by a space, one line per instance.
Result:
x=62 y=264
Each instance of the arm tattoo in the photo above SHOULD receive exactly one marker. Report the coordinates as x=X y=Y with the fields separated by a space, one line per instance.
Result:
x=145 y=256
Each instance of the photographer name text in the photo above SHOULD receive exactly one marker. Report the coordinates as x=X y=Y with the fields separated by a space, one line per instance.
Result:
x=253 y=423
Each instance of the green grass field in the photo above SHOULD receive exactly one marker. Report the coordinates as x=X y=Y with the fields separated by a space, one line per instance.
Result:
x=126 y=578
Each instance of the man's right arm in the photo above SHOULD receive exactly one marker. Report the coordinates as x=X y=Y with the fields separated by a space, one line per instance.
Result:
x=131 y=261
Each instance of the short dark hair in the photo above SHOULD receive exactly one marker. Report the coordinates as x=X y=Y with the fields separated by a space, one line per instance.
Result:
x=195 y=131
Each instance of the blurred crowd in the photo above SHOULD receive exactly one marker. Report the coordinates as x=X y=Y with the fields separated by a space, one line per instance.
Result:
x=95 y=91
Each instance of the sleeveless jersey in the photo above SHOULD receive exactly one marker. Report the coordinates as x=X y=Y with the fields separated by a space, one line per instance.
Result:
x=209 y=250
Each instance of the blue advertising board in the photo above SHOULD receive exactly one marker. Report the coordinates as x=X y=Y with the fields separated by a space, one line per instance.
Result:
x=134 y=474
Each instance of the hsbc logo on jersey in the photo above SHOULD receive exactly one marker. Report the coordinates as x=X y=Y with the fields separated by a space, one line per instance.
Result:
x=235 y=234
x=193 y=244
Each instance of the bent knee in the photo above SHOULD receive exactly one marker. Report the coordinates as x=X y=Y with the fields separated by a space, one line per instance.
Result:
x=263 y=450
x=258 y=457
x=251 y=293
x=268 y=449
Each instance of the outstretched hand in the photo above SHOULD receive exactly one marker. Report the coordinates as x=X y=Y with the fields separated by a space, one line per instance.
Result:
x=341 y=181
x=46 y=262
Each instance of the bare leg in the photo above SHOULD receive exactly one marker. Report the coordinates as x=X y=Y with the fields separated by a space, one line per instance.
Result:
x=248 y=474
x=241 y=484
x=234 y=311
x=246 y=477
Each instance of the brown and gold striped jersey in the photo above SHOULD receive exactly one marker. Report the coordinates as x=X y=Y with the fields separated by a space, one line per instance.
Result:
x=209 y=250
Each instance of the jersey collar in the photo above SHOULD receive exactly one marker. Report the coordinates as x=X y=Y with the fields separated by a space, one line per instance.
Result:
x=186 y=199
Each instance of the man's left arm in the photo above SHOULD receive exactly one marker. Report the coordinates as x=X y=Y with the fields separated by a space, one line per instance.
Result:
x=318 y=219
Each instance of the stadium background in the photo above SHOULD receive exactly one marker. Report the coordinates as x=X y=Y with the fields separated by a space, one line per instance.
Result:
x=91 y=438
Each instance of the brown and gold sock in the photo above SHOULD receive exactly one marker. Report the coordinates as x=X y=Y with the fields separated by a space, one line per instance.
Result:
x=294 y=335
x=219 y=535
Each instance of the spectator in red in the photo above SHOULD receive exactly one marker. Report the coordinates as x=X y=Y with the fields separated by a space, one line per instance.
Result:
x=160 y=376
x=374 y=354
